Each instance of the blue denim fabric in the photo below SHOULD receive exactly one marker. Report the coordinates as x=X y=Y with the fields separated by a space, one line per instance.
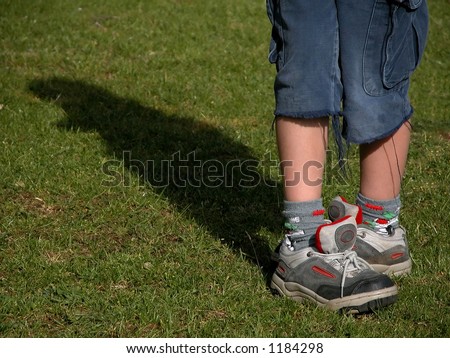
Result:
x=347 y=57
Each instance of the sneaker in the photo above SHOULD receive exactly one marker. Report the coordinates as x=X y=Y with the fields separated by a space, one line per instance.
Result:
x=383 y=245
x=331 y=274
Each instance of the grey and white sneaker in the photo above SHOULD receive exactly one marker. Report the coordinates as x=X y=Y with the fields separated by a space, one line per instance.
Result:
x=382 y=244
x=332 y=275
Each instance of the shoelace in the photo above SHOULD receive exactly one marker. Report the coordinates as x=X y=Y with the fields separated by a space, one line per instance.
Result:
x=345 y=259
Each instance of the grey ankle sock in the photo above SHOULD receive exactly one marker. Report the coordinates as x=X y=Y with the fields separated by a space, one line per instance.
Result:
x=302 y=220
x=378 y=213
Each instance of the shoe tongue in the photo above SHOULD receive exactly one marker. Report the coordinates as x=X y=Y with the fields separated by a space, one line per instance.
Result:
x=339 y=236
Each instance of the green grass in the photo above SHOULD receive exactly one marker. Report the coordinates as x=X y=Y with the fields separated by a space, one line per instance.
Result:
x=87 y=254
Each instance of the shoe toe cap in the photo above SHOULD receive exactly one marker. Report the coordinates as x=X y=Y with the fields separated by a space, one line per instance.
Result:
x=374 y=283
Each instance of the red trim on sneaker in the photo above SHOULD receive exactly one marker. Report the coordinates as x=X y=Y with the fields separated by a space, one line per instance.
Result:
x=318 y=243
x=323 y=272
x=396 y=256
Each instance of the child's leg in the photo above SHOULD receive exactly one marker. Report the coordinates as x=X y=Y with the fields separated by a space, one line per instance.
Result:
x=302 y=150
x=382 y=167
x=383 y=164
x=302 y=147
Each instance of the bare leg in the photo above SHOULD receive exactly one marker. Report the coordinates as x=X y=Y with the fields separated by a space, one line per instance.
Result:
x=302 y=147
x=383 y=165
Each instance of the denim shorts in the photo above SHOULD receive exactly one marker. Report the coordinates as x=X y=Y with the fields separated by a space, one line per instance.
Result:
x=349 y=58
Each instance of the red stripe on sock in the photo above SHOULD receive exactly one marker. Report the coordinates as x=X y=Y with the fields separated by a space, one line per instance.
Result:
x=374 y=207
x=318 y=212
x=381 y=221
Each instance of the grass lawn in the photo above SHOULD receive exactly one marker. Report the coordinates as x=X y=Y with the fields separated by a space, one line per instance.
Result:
x=99 y=238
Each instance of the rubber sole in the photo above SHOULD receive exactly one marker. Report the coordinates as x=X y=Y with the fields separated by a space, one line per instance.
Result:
x=355 y=304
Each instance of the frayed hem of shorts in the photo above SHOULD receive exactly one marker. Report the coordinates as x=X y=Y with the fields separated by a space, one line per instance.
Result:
x=307 y=115
x=381 y=136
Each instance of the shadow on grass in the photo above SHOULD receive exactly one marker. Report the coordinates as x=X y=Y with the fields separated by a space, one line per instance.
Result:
x=203 y=172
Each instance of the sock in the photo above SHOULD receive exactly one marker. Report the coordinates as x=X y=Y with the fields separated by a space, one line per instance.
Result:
x=381 y=216
x=302 y=220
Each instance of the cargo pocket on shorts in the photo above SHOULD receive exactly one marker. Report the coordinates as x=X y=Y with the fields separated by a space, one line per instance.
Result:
x=276 y=41
x=395 y=47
